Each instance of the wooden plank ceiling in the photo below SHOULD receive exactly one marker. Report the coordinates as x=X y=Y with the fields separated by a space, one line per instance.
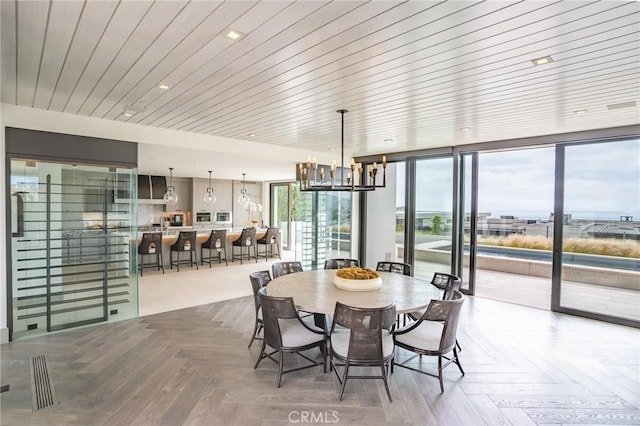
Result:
x=414 y=74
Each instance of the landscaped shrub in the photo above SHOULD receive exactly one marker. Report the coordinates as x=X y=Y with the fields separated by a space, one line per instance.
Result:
x=600 y=246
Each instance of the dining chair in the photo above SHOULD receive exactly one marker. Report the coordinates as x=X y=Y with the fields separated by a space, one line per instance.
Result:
x=398 y=268
x=448 y=283
x=285 y=332
x=217 y=242
x=258 y=280
x=150 y=245
x=186 y=243
x=283 y=268
x=433 y=334
x=362 y=337
x=340 y=263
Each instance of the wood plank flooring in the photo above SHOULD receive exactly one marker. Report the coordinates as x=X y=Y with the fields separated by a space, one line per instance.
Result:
x=523 y=366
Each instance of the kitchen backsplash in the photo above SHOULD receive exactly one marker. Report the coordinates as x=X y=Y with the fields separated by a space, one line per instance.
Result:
x=149 y=213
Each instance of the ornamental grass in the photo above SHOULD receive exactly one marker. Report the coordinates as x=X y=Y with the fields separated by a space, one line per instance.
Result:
x=599 y=246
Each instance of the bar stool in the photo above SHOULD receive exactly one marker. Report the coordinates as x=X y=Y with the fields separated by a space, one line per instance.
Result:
x=150 y=245
x=270 y=239
x=217 y=241
x=186 y=243
x=247 y=239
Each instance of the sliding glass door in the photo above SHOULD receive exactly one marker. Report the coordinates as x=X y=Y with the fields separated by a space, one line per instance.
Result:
x=433 y=216
x=600 y=244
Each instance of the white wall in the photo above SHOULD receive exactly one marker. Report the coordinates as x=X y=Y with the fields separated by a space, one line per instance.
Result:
x=381 y=226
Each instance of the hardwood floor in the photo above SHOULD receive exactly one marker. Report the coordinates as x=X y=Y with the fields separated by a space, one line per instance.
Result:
x=192 y=366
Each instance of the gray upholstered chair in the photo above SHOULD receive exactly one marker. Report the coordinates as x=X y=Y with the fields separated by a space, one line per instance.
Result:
x=397 y=267
x=433 y=334
x=258 y=280
x=340 y=263
x=285 y=332
x=283 y=268
x=362 y=337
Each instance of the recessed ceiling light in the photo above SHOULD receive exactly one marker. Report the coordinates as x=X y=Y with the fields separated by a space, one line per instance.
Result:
x=388 y=140
x=251 y=135
x=580 y=111
x=621 y=105
x=234 y=35
x=466 y=129
x=542 y=61
x=163 y=86
x=128 y=113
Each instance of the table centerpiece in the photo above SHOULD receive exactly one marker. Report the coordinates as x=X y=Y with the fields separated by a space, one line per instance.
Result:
x=355 y=278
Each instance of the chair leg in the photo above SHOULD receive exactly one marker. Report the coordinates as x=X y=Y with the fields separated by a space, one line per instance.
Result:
x=344 y=379
x=161 y=264
x=253 y=337
x=440 y=373
x=261 y=356
x=384 y=377
x=457 y=360
x=280 y=368
x=458 y=346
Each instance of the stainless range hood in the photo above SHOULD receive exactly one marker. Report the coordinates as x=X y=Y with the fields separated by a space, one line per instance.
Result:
x=151 y=190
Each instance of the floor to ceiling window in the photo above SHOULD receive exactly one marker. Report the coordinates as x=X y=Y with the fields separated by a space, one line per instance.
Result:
x=554 y=225
x=433 y=216
x=600 y=272
x=317 y=223
x=514 y=226
x=281 y=210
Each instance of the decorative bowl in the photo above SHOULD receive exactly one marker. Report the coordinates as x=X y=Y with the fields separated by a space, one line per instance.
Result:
x=357 y=285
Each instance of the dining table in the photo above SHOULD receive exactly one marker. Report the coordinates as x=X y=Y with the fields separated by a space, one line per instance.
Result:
x=315 y=291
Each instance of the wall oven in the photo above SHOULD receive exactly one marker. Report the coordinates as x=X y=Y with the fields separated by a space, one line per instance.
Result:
x=203 y=218
x=223 y=218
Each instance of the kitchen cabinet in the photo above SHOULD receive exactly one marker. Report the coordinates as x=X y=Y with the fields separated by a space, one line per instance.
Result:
x=222 y=191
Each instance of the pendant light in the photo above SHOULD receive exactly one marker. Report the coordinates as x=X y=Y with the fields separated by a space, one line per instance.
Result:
x=244 y=194
x=209 y=197
x=170 y=197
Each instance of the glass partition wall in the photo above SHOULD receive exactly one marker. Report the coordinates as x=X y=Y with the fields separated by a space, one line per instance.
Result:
x=73 y=257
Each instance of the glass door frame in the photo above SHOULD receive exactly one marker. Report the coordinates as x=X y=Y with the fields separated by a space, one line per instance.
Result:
x=274 y=215
x=558 y=238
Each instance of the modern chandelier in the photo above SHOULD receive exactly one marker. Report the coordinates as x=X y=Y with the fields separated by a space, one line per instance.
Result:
x=312 y=177
x=170 y=197
x=209 y=197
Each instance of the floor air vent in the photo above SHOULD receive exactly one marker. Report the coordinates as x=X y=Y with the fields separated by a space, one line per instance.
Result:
x=41 y=387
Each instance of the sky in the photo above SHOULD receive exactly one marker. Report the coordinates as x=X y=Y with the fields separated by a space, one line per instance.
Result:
x=602 y=180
